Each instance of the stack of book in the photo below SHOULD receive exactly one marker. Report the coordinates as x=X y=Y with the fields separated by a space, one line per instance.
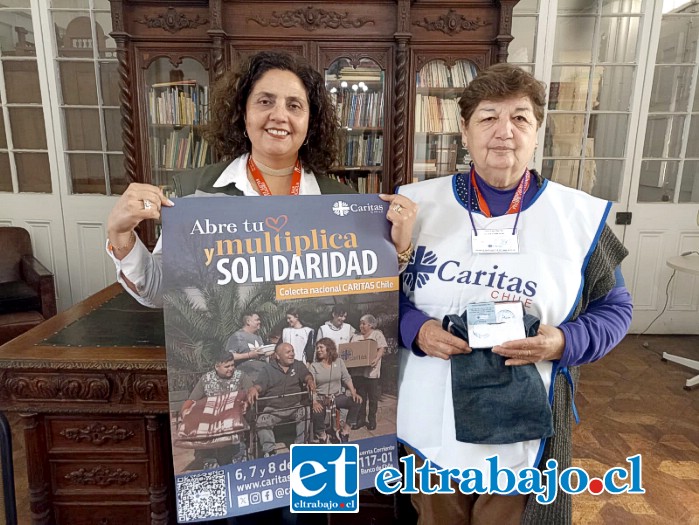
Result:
x=358 y=109
x=361 y=150
x=178 y=103
x=180 y=150
x=438 y=74
x=436 y=115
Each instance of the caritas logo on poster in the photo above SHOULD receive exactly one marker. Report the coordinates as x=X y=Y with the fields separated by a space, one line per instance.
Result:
x=341 y=208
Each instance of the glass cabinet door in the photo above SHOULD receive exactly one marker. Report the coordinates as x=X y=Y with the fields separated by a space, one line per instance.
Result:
x=437 y=143
x=358 y=95
x=177 y=102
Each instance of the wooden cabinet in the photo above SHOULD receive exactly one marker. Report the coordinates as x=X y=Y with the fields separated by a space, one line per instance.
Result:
x=376 y=48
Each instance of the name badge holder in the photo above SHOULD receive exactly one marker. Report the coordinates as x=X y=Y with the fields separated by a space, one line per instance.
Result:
x=499 y=240
x=494 y=241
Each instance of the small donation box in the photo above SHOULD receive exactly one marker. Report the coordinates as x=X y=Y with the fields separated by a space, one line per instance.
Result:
x=359 y=353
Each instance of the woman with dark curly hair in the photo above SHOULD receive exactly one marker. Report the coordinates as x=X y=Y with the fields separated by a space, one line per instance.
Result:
x=273 y=125
x=228 y=131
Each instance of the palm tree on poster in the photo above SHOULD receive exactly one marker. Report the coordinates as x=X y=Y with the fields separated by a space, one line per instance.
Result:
x=199 y=321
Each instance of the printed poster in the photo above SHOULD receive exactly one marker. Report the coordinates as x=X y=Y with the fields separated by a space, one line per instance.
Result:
x=240 y=275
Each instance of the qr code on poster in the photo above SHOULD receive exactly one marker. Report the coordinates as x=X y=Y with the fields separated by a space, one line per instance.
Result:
x=201 y=496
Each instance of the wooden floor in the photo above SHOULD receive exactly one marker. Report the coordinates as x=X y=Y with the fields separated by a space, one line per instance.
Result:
x=629 y=403
x=632 y=403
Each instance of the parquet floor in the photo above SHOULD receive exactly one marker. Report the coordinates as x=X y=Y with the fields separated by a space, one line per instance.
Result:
x=632 y=403
x=629 y=403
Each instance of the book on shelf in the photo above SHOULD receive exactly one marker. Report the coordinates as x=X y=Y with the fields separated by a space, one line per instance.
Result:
x=363 y=109
x=190 y=82
x=436 y=115
x=180 y=150
x=438 y=74
x=363 y=183
x=424 y=166
x=366 y=74
x=178 y=103
x=361 y=150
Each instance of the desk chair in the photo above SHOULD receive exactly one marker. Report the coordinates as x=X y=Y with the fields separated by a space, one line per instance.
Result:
x=690 y=264
x=8 y=475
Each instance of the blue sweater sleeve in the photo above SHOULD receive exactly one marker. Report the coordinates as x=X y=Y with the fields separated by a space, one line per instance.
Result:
x=411 y=320
x=599 y=329
x=588 y=338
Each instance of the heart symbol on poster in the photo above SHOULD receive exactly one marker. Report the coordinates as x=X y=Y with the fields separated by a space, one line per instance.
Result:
x=277 y=224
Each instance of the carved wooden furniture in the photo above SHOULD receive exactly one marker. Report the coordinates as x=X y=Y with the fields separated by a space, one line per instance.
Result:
x=379 y=47
x=27 y=293
x=90 y=385
x=8 y=505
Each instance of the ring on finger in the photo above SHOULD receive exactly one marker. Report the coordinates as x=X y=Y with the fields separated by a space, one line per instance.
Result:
x=397 y=208
x=147 y=205
x=529 y=353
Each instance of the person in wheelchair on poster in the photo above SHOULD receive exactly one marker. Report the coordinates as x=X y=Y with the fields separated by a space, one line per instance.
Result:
x=280 y=395
x=214 y=420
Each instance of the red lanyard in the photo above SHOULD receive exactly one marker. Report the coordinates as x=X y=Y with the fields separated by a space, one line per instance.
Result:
x=516 y=199
x=262 y=185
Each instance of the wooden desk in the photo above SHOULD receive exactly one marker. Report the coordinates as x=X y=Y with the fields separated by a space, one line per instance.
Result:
x=689 y=264
x=94 y=406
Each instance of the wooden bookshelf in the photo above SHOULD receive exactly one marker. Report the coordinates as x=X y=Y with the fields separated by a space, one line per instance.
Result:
x=396 y=50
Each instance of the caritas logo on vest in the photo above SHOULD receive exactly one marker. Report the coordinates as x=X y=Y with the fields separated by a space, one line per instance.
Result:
x=424 y=266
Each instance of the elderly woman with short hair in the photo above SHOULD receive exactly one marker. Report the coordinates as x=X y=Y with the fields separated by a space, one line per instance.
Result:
x=368 y=383
x=499 y=232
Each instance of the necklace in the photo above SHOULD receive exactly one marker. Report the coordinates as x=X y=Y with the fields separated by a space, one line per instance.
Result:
x=262 y=185
x=282 y=172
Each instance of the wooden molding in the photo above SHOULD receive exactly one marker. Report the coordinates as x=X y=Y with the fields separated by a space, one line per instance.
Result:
x=97 y=434
x=312 y=18
x=58 y=387
x=150 y=389
x=172 y=21
x=101 y=476
x=451 y=23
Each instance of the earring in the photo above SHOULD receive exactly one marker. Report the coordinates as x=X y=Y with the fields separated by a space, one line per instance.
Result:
x=306 y=141
x=245 y=134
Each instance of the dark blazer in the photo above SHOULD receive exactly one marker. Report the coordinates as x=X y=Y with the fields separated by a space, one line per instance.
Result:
x=203 y=179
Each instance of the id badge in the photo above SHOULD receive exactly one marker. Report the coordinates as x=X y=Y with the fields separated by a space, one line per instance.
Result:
x=495 y=241
x=491 y=324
